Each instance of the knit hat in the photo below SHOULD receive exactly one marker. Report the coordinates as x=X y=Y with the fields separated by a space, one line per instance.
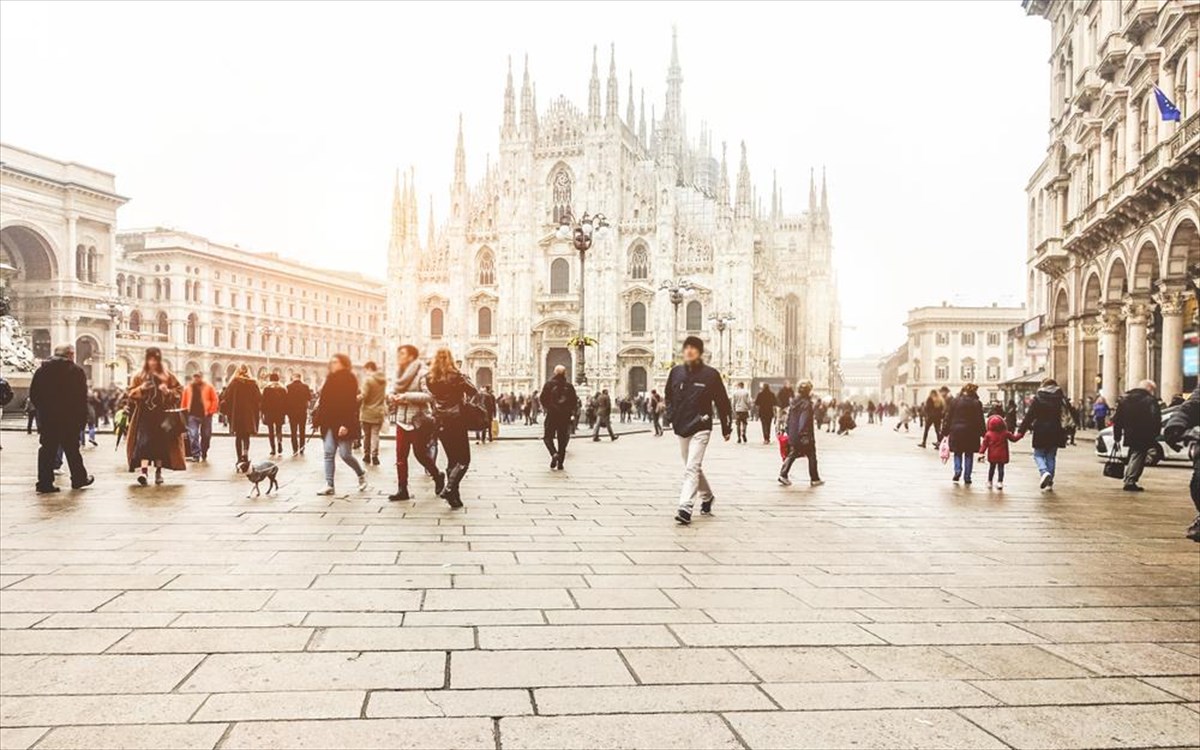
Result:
x=695 y=342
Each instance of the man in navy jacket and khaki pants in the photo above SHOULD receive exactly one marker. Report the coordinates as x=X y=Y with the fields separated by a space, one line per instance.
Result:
x=692 y=389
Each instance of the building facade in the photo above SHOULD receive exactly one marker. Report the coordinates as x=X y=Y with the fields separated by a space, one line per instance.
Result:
x=862 y=378
x=1114 y=207
x=208 y=306
x=496 y=285
x=951 y=346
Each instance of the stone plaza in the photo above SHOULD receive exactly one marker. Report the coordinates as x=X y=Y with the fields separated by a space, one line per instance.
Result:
x=888 y=608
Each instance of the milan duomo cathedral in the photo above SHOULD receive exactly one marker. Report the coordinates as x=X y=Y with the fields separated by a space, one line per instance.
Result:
x=496 y=284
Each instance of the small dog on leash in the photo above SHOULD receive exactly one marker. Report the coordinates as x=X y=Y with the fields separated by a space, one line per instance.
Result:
x=267 y=470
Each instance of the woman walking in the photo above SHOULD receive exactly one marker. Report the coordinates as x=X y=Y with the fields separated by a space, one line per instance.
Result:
x=965 y=428
x=336 y=417
x=935 y=410
x=1045 y=416
x=156 y=429
x=450 y=390
x=240 y=403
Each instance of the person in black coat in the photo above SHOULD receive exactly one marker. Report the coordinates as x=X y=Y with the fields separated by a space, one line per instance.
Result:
x=1175 y=432
x=298 y=396
x=558 y=399
x=1136 y=425
x=693 y=389
x=965 y=426
x=274 y=411
x=241 y=402
x=450 y=390
x=58 y=391
x=764 y=402
x=1046 y=415
x=336 y=416
x=802 y=440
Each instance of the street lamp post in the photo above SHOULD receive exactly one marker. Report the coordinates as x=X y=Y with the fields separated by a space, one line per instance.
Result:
x=267 y=330
x=676 y=290
x=722 y=321
x=116 y=310
x=581 y=233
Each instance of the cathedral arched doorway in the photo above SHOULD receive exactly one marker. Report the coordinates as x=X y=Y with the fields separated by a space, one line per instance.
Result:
x=637 y=380
x=87 y=356
x=793 y=339
x=559 y=355
x=483 y=377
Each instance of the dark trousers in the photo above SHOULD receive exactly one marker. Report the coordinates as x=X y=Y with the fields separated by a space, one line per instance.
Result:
x=275 y=435
x=996 y=471
x=937 y=432
x=556 y=429
x=657 y=419
x=420 y=442
x=52 y=441
x=241 y=445
x=742 y=419
x=1195 y=485
x=606 y=424
x=297 y=425
x=30 y=421
x=457 y=445
x=766 y=426
x=795 y=452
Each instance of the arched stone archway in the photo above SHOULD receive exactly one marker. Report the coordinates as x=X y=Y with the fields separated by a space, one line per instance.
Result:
x=89 y=356
x=1183 y=250
x=28 y=250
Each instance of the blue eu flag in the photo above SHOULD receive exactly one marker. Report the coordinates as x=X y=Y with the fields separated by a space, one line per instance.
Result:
x=1166 y=106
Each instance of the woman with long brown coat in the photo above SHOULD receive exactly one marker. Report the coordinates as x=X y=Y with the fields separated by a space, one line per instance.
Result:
x=155 y=434
x=241 y=403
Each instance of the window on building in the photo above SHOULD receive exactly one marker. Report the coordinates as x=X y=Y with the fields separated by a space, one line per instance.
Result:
x=941 y=338
x=81 y=263
x=637 y=318
x=484 y=321
x=486 y=274
x=158 y=289
x=941 y=370
x=967 y=369
x=560 y=276
x=135 y=321
x=993 y=338
x=164 y=325
x=233 y=299
x=216 y=338
x=192 y=323
x=166 y=289
x=93 y=264
x=639 y=262
x=694 y=316
x=968 y=338
x=993 y=370
x=436 y=322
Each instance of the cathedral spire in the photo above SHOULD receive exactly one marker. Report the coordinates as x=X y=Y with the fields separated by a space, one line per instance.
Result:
x=594 y=90
x=642 y=122
x=398 y=227
x=774 y=195
x=509 y=129
x=612 y=106
x=430 y=239
x=744 y=197
x=410 y=203
x=824 y=196
x=629 y=105
x=723 y=187
x=526 y=103
x=460 y=159
x=812 y=193
x=672 y=119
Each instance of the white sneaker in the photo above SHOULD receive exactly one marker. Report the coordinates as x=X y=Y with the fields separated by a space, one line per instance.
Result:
x=785 y=481
x=817 y=482
x=362 y=482
x=1047 y=480
x=1000 y=485
x=327 y=492
x=989 y=484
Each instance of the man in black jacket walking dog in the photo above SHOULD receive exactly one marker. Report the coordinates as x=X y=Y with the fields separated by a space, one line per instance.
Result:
x=692 y=389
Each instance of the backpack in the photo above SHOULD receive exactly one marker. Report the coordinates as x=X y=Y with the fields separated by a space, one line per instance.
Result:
x=1066 y=418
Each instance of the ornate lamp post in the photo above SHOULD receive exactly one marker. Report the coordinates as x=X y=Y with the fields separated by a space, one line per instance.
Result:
x=267 y=330
x=116 y=310
x=676 y=290
x=721 y=321
x=581 y=233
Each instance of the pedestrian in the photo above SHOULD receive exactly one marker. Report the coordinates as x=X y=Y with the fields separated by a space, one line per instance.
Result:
x=1175 y=432
x=58 y=395
x=372 y=410
x=965 y=427
x=905 y=418
x=765 y=403
x=415 y=429
x=450 y=390
x=782 y=399
x=603 y=416
x=488 y=402
x=656 y=408
x=298 y=397
x=88 y=433
x=31 y=412
x=240 y=403
x=935 y=410
x=871 y=413
x=802 y=440
x=337 y=418
x=199 y=403
x=692 y=389
x=1137 y=423
x=1046 y=415
x=740 y=399
x=846 y=421
x=994 y=447
x=558 y=398
x=155 y=429
x=274 y=412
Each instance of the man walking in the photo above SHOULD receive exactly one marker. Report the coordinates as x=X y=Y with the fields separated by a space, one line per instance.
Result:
x=765 y=402
x=603 y=416
x=199 y=402
x=1136 y=425
x=414 y=422
x=372 y=409
x=489 y=405
x=58 y=391
x=655 y=408
x=802 y=439
x=298 y=397
x=740 y=398
x=274 y=411
x=560 y=402
x=782 y=399
x=692 y=389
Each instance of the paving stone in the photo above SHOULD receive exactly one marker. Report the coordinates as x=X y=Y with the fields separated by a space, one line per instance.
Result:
x=324 y=704
x=1187 y=688
x=53 y=601
x=421 y=703
x=666 y=731
x=47 y=710
x=1014 y=662
x=1059 y=692
x=497 y=599
x=623 y=616
x=19 y=620
x=265 y=672
x=812 y=696
x=925 y=729
x=912 y=663
x=240 y=582
x=383 y=581
x=475 y=617
x=574 y=636
x=349 y=600
x=151 y=737
x=1090 y=726
x=47 y=641
x=393 y=639
x=1112 y=632
x=945 y=633
x=650 y=699
x=113 y=582
x=212 y=640
x=801 y=664
x=366 y=734
x=103 y=673
x=1127 y=658
x=476 y=669
x=798 y=634
x=20 y=738
x=686 y=665
x=237 y=620
x=187 y=601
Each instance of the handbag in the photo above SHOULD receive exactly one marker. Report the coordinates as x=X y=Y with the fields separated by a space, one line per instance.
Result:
x=474 y=416
x=173 y=423
x=783 y=445
x=944 y=449
x=1114 y=467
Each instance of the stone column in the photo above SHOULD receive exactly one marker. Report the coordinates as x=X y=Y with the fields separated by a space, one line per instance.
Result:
x=72 y=241
x=1110 y=340
x=1171 y=301
x=1137 y=315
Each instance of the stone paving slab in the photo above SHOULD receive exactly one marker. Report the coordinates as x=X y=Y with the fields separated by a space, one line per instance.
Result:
x=567 y=610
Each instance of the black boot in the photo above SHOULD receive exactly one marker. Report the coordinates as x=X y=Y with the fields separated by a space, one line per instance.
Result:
x=450 y=494
x=439 y=482
x=401 y=494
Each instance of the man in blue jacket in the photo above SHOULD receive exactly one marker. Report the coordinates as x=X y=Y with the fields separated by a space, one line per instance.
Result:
x=801 y=438
x=692 y=389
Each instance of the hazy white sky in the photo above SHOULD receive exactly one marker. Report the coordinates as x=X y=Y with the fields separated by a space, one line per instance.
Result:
x=278 y=126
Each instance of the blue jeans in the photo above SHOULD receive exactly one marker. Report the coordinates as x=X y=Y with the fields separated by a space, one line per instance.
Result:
x=1045 y=459
x=343 y=448
x=963 y=462
x=199 y=430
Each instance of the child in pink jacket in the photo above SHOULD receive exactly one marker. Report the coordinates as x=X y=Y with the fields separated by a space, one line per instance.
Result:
x=995 y=446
